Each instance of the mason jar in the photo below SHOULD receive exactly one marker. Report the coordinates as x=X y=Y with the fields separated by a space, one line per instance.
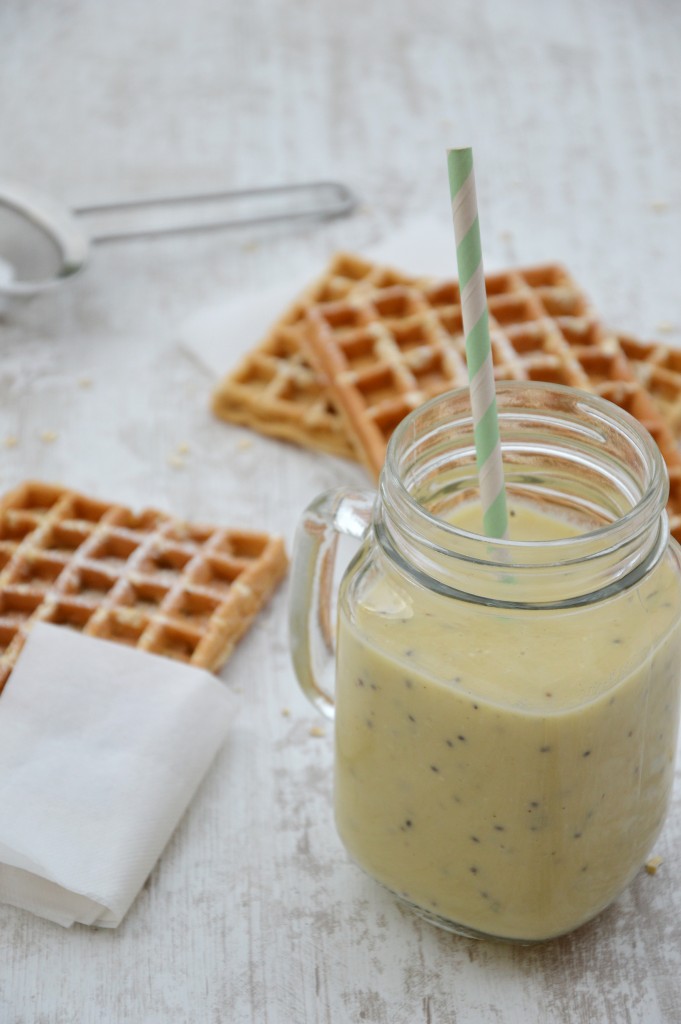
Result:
x=505 y=710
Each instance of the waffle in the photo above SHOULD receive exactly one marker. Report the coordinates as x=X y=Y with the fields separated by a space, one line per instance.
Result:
x=275 y=390
x=658 y=368
x=148 y=580
x=388 y=350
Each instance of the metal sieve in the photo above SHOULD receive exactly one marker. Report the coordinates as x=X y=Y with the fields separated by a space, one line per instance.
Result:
x=43 y=243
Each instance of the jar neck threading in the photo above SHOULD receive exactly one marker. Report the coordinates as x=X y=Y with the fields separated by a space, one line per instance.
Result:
x=561 y=449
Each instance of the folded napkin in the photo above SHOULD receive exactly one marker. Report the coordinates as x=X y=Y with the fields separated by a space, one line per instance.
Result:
x=101 y=749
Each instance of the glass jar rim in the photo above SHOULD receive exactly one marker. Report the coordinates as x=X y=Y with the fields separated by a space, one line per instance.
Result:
x=649 y=505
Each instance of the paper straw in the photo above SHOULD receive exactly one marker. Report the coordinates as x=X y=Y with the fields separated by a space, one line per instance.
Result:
x=478 y=345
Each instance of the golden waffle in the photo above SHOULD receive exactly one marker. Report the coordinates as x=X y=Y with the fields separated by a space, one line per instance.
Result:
x=148 y=580
x=658 y=368
x=275 y=390
x=387 y=351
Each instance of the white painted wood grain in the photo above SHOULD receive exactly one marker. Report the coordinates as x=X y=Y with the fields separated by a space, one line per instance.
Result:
x=254 y=913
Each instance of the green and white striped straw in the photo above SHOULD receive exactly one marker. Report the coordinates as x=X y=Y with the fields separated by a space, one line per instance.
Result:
x=478 y=345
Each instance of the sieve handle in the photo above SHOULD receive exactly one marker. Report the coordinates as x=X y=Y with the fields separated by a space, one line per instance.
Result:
x=316 y=200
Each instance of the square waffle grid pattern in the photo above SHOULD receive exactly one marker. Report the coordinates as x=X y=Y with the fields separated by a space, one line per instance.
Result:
x=658 y=369
x=147 y=580
x=388 y=351
x=275 y=390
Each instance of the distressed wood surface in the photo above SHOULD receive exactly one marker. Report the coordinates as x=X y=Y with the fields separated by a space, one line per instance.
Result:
x=254 y=913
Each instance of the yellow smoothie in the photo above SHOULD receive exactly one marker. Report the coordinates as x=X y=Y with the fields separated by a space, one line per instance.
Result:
x=506 y=770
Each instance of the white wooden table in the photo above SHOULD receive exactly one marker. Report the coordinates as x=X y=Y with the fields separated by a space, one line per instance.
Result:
x=254 y=913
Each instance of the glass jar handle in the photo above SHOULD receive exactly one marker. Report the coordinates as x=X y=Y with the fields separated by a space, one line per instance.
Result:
x=312 y=631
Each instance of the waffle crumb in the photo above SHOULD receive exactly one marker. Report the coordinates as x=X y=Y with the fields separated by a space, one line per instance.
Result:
x=665 y=327
x=652 y=864
x=11 y=441
x=176 y=461
x=48 y=436
x=286 y=712
x=244 y=444
x=183 y=448
x=659 y=205
x=317 y=731
x=84 y=381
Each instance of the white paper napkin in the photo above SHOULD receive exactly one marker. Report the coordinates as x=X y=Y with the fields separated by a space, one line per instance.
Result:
x=218 y=334
x=101 y=750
